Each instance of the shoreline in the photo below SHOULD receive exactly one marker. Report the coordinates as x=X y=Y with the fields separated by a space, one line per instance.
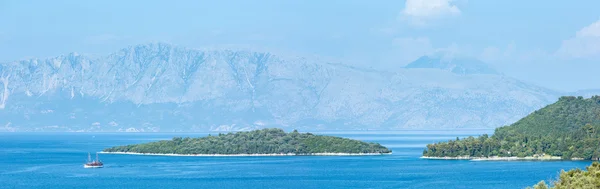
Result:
x=247 y=155
x=496 y=158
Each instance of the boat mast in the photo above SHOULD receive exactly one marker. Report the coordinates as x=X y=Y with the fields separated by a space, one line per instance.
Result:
x=89 y=157
x=97 y=157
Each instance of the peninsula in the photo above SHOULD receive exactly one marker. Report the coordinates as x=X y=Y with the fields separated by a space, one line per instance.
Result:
x=265 y=142
x=568 y=129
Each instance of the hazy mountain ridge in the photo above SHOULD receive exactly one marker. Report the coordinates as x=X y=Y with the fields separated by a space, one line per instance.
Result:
x=453 y=63
x=159 y=87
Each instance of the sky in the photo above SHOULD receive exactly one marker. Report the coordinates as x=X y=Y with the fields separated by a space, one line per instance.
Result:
x=555 y=44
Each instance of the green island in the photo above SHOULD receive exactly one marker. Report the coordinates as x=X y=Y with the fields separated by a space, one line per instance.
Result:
x=265 y=142
x=574 y=178
x=568 y=129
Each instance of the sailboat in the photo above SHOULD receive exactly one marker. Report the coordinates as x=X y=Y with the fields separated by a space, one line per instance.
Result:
x=93 y=164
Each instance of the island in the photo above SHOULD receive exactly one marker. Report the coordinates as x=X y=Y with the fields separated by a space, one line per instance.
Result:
x=574 y=178
x=264 y=142
x=568 y=129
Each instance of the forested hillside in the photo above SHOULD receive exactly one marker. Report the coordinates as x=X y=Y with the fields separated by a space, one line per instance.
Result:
x=569 y=128
x=265 y=141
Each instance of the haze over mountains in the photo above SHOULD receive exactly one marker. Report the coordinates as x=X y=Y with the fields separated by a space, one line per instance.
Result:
x=160 y=87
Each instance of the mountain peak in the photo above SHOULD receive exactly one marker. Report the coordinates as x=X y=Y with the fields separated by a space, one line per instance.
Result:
x=456 y=64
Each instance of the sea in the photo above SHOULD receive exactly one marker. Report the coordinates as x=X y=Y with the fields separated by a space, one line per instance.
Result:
x=55 y=160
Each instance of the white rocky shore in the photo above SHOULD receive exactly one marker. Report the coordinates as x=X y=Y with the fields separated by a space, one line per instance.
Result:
x=288 y=154
x=496 y=158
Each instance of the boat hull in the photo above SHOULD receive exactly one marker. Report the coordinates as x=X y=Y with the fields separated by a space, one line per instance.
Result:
x=92 y=166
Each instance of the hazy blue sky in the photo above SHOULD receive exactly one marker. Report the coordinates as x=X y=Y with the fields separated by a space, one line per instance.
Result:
x=552 y=43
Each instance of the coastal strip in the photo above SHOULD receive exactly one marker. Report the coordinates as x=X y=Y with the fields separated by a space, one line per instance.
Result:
x=238 y=155
x=496 y=158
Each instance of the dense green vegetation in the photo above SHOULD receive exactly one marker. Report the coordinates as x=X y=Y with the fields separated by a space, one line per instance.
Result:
x=265 y=141
x=569 y=128
x=575 y=178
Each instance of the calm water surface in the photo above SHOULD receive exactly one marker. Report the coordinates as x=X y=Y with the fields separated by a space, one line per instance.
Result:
x=54 y=160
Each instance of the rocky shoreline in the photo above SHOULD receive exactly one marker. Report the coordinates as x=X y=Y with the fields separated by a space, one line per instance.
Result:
x=496 y=158
x=218 y=155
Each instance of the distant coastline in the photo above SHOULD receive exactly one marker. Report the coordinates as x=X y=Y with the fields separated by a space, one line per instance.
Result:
x=238 y=155
x=496 y=158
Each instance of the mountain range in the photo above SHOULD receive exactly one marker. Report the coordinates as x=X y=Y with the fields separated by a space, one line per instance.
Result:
x=161 y=87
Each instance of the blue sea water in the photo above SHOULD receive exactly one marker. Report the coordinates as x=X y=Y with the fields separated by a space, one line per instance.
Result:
x=54 y=160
